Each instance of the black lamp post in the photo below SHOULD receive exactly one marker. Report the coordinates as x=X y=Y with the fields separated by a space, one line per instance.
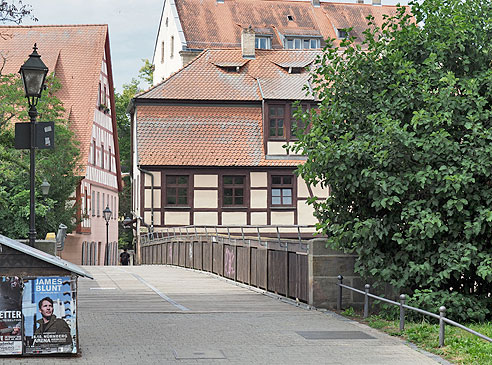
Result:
x=107 y=213
x=33 y=73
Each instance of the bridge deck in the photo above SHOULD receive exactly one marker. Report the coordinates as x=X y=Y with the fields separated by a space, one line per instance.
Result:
x=163 y=314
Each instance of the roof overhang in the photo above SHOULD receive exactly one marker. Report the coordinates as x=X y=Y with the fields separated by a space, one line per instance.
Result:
x=43 y=256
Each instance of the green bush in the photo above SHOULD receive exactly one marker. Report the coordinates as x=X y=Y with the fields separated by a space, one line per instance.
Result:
x=403 y=138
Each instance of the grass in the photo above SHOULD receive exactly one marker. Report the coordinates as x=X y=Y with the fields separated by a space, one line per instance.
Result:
x=460 y=347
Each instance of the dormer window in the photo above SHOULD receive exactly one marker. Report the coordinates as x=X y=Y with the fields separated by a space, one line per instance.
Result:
x=290 y=18
x=302 y=43
x=263 y=42
x=342 y=34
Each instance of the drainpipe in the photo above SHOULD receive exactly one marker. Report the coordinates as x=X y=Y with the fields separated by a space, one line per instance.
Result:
x=151 y=198
x=265 y=143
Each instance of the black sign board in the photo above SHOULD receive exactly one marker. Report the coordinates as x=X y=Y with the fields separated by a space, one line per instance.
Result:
x=45 y=135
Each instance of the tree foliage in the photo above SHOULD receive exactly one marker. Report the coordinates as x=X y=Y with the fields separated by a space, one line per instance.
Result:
x=122 y=100
x=59 y=166
x=403 y=139
x=13 y=11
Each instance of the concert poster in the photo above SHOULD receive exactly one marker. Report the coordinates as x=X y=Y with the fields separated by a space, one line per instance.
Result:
x=10 y=315
x=48 y=306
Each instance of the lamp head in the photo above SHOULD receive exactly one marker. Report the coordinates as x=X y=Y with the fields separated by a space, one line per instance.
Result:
x=107 y=213
x=33 y=73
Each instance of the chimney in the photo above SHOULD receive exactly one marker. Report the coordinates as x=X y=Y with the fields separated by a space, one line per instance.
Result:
x=376 y=2
x=316 y=3
x=248 y=42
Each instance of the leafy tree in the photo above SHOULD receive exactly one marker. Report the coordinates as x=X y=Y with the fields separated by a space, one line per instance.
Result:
x=124 y=139
x=403 y=139
x=14 y=11
x=146 y=72
x=59 y=166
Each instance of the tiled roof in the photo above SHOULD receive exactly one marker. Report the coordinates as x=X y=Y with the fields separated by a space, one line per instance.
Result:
x=226 y=75
x=208 y=24
x=75 y=53
x=170 y=135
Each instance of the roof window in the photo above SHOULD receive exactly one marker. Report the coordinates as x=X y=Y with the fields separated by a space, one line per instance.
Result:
x=290 y=18
x=342 y=34
x=302 y=43
x=263 y=42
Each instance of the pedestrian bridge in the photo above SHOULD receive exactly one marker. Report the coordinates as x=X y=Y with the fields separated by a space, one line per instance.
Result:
x=163 y=314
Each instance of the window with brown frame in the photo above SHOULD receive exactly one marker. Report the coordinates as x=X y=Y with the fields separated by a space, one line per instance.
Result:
x=282 y=124
x=276 y=115
x=282 y=188
x=296 y=124
x=177 y=190
x=102 y=156
x=94 y=152
x=233 y=191
x=109 y=158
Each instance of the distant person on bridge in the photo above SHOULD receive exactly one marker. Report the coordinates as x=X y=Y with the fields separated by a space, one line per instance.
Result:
x=125 y=257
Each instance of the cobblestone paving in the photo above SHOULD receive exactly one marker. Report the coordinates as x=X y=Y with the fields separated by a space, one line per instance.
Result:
x=169 y=315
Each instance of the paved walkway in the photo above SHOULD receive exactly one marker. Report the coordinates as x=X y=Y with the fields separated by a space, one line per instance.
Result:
x=170 y=315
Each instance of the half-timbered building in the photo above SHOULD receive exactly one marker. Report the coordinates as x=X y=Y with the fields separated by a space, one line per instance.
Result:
x=209 y=141
x=80 y=57
x=187 y=27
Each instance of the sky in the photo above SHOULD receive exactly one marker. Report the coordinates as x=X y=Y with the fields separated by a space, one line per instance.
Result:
x=133 y=26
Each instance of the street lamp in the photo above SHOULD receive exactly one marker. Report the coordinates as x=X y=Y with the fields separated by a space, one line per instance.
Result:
x=33 y=73
x=45 y=187
x=107 y=213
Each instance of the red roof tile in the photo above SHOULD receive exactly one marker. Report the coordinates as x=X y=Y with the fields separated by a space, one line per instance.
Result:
x=208 y=24
x=75 y=54
x=226 y=75
x=201 y=136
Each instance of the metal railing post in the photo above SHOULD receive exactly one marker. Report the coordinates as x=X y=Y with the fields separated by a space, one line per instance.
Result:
x=402 y=312
x=442 y=324
x=339 y=299
x=366 y=300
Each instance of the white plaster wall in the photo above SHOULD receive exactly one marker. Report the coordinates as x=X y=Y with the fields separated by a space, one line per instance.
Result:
x=258 y=179
x=275 y=148
x=279 y=218
x=205 y=181
x=148 y=218
x=305 y=213
x=157 y=178
x=258 y=218
x=302 y=189
x=177 y=218
x=170 y=64
x=233 y=218
x=205 y=218
x=258 y=199
x=205 y=198
x=148 y=198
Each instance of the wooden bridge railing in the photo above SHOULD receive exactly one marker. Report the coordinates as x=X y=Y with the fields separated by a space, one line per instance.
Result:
x=275 y=264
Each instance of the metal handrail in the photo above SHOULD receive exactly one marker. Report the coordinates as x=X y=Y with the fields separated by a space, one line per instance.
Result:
x=147 y=238
x=403 y=306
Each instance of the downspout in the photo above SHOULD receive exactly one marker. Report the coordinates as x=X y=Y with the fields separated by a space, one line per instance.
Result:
x=265 y=146
x=151 y=198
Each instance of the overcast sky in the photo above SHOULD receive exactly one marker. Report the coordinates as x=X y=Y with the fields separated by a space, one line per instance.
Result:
x=133 y=26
